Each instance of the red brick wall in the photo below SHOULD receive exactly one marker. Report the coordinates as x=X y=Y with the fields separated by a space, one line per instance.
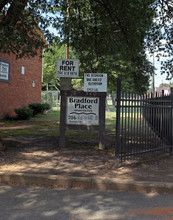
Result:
x=19 y=92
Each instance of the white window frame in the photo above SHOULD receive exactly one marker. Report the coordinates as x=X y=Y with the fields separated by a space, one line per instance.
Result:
x=4 y=70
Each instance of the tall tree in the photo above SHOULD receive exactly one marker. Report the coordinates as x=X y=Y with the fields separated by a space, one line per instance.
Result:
x=160 y=37
x=99 y=30
x=23 y=24
x=115 y=33
x=115 y=67
x=56 y=51
x=49 y=74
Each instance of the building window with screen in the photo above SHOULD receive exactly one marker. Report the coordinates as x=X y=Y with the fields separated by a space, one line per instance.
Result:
x=4 y=70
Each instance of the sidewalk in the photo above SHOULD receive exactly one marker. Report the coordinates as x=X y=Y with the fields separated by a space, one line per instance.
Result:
x=34 y=160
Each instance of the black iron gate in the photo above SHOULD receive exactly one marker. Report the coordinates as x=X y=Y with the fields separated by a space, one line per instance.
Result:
x=143 y=124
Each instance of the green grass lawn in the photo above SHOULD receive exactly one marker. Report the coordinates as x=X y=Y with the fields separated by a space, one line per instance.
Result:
x=45 y=125
x=48 y=124
x=50 y=116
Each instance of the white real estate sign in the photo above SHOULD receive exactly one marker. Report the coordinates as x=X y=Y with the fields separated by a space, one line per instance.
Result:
x=95 y=82
x=67 y=68
x=82 y=110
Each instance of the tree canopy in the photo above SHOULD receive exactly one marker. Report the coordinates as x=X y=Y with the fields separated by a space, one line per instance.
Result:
x=106 y=35
x=160 y=37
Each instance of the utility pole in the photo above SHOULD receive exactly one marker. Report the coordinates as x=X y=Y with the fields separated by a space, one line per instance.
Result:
x=67 y=43
x=65 y=83
x=153 y=78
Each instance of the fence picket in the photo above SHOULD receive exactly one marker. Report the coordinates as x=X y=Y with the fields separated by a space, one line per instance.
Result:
x=143 y=124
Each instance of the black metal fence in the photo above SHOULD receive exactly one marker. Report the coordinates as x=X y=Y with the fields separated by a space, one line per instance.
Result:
x=143 y=124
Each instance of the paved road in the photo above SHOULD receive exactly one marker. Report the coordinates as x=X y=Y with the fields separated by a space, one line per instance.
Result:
x=35 y=203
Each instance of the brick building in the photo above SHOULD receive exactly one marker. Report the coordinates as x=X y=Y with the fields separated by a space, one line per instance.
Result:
x=166 y=89
x=20 y=83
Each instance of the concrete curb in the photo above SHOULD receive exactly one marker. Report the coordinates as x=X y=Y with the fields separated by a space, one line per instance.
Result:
x=85 y=182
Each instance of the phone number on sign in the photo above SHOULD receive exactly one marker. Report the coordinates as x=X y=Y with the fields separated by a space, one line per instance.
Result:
x=82 y=117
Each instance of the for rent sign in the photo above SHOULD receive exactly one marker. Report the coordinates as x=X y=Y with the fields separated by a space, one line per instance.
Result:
x=82 y=110
x=67 y=68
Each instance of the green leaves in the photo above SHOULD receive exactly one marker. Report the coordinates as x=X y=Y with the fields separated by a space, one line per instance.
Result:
x=97 y=30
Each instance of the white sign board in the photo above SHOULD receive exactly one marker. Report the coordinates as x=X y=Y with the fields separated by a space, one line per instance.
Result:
x=67 y=68
x=95 y=82
x=82 y=110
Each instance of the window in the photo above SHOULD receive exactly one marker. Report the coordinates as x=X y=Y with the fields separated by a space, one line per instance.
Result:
x=4 y=70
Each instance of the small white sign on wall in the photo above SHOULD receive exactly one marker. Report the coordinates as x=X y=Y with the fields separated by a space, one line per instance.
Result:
x=23 y=70
x=95 y=82
x=82 y=110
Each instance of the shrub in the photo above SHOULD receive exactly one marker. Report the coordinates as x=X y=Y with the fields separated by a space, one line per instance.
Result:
x=46 y=106
x=24 y=113
x=36 y=107
x=39 y=108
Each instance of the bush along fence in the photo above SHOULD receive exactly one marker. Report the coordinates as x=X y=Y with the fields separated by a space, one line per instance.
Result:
x=32 y=110
x=143 y=124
